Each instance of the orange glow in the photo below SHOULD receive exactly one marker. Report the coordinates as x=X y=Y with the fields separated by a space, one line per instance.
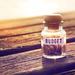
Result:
x=16 y=9
x=12 y=9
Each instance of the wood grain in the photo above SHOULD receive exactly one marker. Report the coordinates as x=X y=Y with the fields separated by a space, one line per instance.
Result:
x=25 y=61
x=26 y=32
x=27 y=39
x=12 y=64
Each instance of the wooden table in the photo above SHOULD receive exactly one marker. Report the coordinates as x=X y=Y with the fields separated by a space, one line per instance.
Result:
x=32 y=63
x=28 y=61
x=19 y=57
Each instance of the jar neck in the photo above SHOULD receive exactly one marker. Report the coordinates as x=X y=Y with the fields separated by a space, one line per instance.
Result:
x=51 y=29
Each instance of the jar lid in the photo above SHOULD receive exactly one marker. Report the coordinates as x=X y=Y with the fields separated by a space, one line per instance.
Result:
x=53 y=20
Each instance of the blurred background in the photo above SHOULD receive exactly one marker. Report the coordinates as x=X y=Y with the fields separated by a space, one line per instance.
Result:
x=11 y=9
x=21 y=20
x=16 y=9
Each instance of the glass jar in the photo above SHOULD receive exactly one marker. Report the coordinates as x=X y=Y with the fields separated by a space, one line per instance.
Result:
x=53 y=37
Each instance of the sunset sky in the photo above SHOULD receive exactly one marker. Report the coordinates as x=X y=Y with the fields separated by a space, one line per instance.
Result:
x=10 y=9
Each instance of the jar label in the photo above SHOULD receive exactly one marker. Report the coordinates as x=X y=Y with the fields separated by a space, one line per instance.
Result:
x=54 y=41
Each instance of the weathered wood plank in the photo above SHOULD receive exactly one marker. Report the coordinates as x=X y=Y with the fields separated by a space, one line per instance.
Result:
x=13 y=23
x=18 y=26
x=26 y=61
x=24 y=32
x=24 y=35
x=19 y=41
x=67 y=16
x=28 y=39
x=29 y=28
x=12 y=64
x=11 y=32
